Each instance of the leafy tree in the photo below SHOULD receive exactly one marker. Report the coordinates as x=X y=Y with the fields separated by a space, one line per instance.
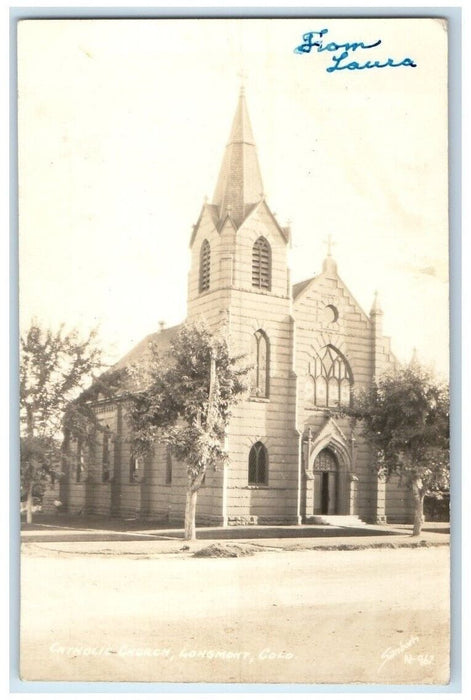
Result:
x=187 y=405
x=405 y=416
x=79 y=418
x=55 y=366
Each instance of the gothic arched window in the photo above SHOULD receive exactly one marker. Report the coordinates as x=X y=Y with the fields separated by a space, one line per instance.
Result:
x=325 y=462
x=168 y=466
x=261 y=360
x=106 y=457
x=205 y=266
x=79 y=461
x=261 y=264
x=258 y=465
x=135 y=468
x=332 y=378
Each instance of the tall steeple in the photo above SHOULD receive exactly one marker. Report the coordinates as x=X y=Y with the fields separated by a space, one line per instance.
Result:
x=239 y=184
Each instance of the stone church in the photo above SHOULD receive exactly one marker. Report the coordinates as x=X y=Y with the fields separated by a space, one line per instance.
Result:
x=293 y=458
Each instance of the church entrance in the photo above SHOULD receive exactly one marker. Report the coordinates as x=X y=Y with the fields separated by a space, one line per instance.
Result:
x=325 y=483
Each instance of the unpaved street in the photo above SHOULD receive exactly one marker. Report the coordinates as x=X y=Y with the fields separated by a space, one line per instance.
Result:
x=377 y=616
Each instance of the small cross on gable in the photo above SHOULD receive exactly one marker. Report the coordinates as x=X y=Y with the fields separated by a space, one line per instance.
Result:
x=330 y=243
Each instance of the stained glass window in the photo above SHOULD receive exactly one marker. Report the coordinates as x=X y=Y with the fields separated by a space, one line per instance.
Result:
x=325 y=462
x=332 y=378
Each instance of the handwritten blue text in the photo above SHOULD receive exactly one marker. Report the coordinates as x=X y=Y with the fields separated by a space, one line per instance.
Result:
x=342 y=61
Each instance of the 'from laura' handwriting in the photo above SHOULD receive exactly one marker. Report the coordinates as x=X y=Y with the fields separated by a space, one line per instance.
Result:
x=342 y=61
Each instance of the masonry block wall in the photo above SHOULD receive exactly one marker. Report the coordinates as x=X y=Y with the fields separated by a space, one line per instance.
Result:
x=230 y=288
x=233 y=300
x=399 y=502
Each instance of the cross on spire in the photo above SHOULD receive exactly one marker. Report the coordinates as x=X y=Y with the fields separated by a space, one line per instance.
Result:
x=330 y=243
x=242 y=74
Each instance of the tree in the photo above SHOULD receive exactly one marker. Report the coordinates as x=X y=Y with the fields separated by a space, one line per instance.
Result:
x=186 y=405
x=55 y=366
x=405 y=417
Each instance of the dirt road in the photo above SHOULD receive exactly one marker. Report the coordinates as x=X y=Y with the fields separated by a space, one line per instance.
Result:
x=376 y=616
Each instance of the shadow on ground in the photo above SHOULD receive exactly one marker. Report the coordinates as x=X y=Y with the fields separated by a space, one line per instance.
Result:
x=79 y=529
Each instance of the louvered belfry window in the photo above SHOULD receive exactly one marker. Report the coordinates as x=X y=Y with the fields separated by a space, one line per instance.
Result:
x=261 y=264
x=205 y=266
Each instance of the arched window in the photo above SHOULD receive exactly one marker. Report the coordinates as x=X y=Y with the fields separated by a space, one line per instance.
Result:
x=79 y=461
x=205 y=266
x=309 y=390
x=261 y=264
x=135 y=468
x=261 y=361
x=258 y=465
x=325 y=462
x=105 y=471
x=168 y=467
x=345 y=392
x=332 y=378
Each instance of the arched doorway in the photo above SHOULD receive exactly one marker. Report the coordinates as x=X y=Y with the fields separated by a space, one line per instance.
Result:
x=325 y=472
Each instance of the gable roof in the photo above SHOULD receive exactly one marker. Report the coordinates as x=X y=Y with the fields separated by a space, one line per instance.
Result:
x=299 y=286
x=141 y=353
x=213 y=213
x=251 y=209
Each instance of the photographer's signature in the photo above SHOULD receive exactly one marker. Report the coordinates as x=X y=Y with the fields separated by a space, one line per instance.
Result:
x=314 y=41
x=401 y=650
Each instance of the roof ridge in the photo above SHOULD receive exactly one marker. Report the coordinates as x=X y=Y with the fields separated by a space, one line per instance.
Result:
x=298 y=287
x=138 y=352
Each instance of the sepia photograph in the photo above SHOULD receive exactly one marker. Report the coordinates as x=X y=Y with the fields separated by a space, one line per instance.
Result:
x=234 y=350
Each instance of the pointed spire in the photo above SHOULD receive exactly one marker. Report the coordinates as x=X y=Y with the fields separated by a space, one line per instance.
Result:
x=240 y=182
x=376 y=306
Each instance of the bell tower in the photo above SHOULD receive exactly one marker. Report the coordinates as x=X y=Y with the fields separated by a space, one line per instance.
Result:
x=237 y=245
x=239 y=279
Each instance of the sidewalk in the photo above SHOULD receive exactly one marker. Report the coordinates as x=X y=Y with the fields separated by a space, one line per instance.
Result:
x=150 y=540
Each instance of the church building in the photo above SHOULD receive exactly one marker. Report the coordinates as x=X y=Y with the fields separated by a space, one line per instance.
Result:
x=293 y=457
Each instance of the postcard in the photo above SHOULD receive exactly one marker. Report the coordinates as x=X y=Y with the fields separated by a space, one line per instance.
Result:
x=233 y=274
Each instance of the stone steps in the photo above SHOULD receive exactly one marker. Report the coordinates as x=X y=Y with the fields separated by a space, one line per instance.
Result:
x=337 y=520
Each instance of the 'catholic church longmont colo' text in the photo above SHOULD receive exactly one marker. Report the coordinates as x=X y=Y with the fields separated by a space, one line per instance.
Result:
x=293 y=455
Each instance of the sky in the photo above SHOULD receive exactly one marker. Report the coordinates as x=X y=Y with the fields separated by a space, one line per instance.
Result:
x=122 y=128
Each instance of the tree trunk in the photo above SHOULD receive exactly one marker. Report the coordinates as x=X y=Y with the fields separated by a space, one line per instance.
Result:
x=29 y=503
x=419 y=494
x=190 y=514
x=194 y=482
